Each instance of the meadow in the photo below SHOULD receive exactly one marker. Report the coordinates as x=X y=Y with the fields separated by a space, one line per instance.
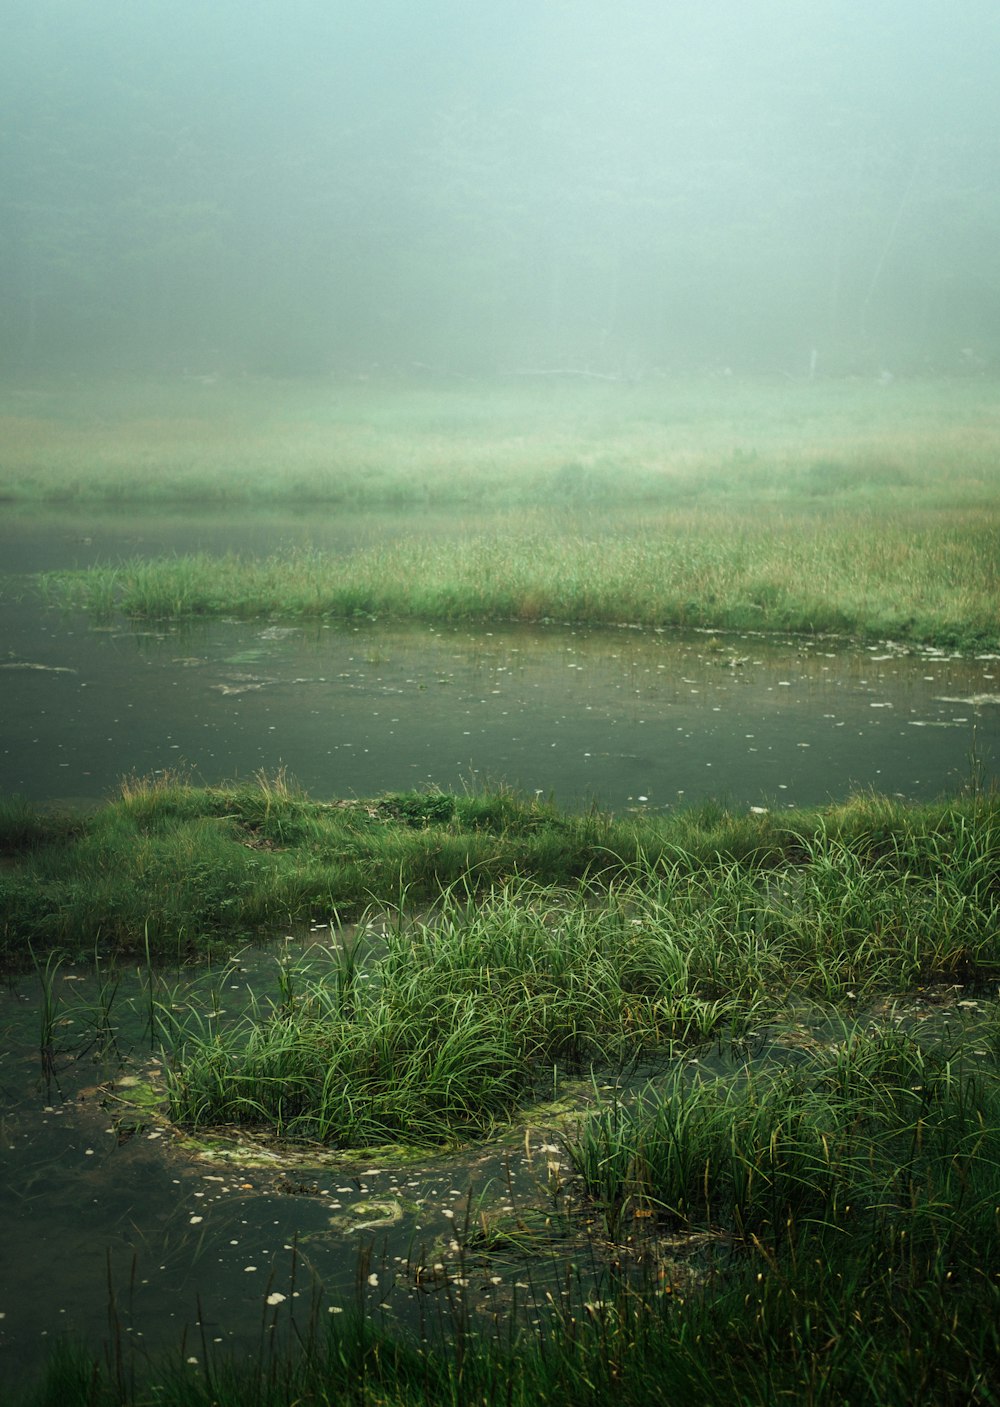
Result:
x=505 y=443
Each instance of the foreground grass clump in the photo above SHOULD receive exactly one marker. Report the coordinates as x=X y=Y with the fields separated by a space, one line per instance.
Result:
x=453 y=1026
x=906 y=572
x=781 y=1221
x=872 y=890
x=847 y=1207
x=867 y=1137
x=457 y=1023
x=555 y=941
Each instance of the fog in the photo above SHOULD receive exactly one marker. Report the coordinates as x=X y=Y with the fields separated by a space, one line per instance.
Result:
x=378 y=187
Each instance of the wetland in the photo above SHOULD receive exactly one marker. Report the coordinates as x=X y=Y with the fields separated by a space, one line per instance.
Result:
x=564 y=936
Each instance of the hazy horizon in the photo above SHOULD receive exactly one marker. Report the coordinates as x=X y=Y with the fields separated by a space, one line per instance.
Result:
x=335 y=187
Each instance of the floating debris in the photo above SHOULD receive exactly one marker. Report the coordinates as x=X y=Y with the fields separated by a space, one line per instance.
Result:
x=46 y=668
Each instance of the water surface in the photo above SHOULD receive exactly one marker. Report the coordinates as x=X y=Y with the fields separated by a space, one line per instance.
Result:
x=623 y=718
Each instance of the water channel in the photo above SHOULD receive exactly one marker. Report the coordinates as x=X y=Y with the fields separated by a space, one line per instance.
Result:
x=104 y=1211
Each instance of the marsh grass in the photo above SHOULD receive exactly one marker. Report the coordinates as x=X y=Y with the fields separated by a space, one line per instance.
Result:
x=868 y=892
x=819 y=1315
x=815 y=1224
x=448 y=1029
x=900 y=571
x=874 y=1137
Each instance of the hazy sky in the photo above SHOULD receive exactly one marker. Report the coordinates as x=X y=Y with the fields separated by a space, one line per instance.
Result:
x=317 y=185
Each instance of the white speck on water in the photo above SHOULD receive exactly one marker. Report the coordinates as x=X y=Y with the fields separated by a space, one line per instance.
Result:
x=193 y=1221
x=275 y=1298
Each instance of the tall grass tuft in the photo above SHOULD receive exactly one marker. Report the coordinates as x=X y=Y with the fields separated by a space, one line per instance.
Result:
x=874 y=1141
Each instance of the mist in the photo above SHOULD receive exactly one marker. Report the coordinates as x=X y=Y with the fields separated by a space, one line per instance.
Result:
x=471 y=190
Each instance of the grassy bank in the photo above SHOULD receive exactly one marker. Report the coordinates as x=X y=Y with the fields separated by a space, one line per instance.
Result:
x=844 y=507
x=176 y=868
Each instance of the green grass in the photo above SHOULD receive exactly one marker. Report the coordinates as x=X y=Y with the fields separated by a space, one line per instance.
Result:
x=823 y=1232
x=801 y=1216
x=179 y=868
x=464 y=1013
x=757 y=1338
x=554 y=940
x=845 y=1195
x=846 y=1139
x=906 y=574
x=460 y=1020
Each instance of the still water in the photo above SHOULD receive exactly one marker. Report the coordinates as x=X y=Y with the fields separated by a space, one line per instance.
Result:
x=624 y=718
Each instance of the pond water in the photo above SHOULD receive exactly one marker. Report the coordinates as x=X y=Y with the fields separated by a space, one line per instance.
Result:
x=623 y=718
